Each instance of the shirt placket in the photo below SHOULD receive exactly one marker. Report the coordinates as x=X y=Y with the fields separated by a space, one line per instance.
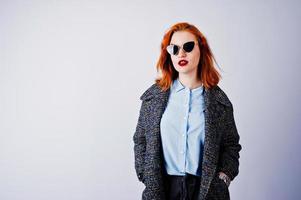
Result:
x=187 y=97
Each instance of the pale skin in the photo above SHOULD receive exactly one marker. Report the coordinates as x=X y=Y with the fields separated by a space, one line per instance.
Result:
x=188 y=73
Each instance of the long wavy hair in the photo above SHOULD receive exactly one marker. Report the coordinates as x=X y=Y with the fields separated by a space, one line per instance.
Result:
x=206 y=71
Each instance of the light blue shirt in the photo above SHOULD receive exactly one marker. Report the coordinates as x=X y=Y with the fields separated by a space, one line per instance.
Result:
x=183 y=130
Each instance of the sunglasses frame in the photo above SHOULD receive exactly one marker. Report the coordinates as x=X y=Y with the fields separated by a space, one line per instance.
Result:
x=171 y=46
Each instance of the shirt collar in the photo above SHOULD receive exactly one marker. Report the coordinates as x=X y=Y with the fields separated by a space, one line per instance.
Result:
x=178 y=86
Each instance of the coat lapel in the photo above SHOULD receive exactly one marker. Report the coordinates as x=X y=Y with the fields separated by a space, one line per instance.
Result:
x=212 y=114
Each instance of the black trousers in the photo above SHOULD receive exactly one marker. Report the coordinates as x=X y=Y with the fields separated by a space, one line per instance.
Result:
x=182 y=187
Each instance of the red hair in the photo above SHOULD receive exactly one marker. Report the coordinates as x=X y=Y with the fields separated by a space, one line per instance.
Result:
x=206 y=71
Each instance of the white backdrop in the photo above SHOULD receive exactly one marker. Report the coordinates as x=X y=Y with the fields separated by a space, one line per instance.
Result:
x=72 y=72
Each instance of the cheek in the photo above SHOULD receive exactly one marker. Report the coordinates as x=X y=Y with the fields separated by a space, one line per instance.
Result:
x=174 y=62
x=195 y=58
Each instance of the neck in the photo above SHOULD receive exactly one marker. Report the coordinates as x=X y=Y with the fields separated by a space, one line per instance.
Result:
x=190 y=82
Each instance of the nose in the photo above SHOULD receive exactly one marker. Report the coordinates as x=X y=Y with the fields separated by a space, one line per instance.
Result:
x=182 y=53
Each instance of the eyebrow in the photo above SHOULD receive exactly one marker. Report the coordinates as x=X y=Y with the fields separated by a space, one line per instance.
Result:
x=183 y=43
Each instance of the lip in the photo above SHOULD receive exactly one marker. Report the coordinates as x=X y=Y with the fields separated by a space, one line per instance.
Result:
x=182 y=62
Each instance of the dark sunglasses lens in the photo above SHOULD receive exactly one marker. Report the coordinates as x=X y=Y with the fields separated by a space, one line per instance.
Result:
x=188 y=46
x=173 y=49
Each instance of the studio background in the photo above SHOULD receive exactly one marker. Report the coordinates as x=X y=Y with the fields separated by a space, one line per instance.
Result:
x=72 y=72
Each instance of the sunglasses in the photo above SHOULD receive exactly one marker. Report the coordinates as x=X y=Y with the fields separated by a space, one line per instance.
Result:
x=174 y=49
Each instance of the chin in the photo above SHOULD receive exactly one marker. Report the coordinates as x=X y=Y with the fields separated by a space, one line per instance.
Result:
x=184 y=69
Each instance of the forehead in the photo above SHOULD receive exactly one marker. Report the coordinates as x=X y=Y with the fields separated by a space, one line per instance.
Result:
x=181 y=37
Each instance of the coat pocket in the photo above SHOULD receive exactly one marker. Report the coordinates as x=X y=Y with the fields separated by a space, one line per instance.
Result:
x=218 y=189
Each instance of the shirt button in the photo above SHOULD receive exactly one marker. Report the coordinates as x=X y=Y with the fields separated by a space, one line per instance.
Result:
x=183 y=135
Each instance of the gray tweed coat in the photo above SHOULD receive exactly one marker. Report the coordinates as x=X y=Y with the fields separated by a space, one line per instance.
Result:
x=221 y=147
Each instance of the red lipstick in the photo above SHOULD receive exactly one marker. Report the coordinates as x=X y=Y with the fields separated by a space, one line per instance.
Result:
x=183 y=63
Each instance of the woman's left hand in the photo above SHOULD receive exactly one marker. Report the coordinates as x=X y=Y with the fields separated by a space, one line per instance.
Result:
x=225 y=178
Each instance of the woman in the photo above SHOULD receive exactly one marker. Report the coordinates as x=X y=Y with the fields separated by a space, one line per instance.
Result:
x=186 y=143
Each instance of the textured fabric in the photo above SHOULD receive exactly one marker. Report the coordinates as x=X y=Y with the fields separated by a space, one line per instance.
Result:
x=221 y=146
x=183 y=130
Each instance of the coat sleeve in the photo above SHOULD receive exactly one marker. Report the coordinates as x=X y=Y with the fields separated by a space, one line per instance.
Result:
x=140 y=143
x=230 y=147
